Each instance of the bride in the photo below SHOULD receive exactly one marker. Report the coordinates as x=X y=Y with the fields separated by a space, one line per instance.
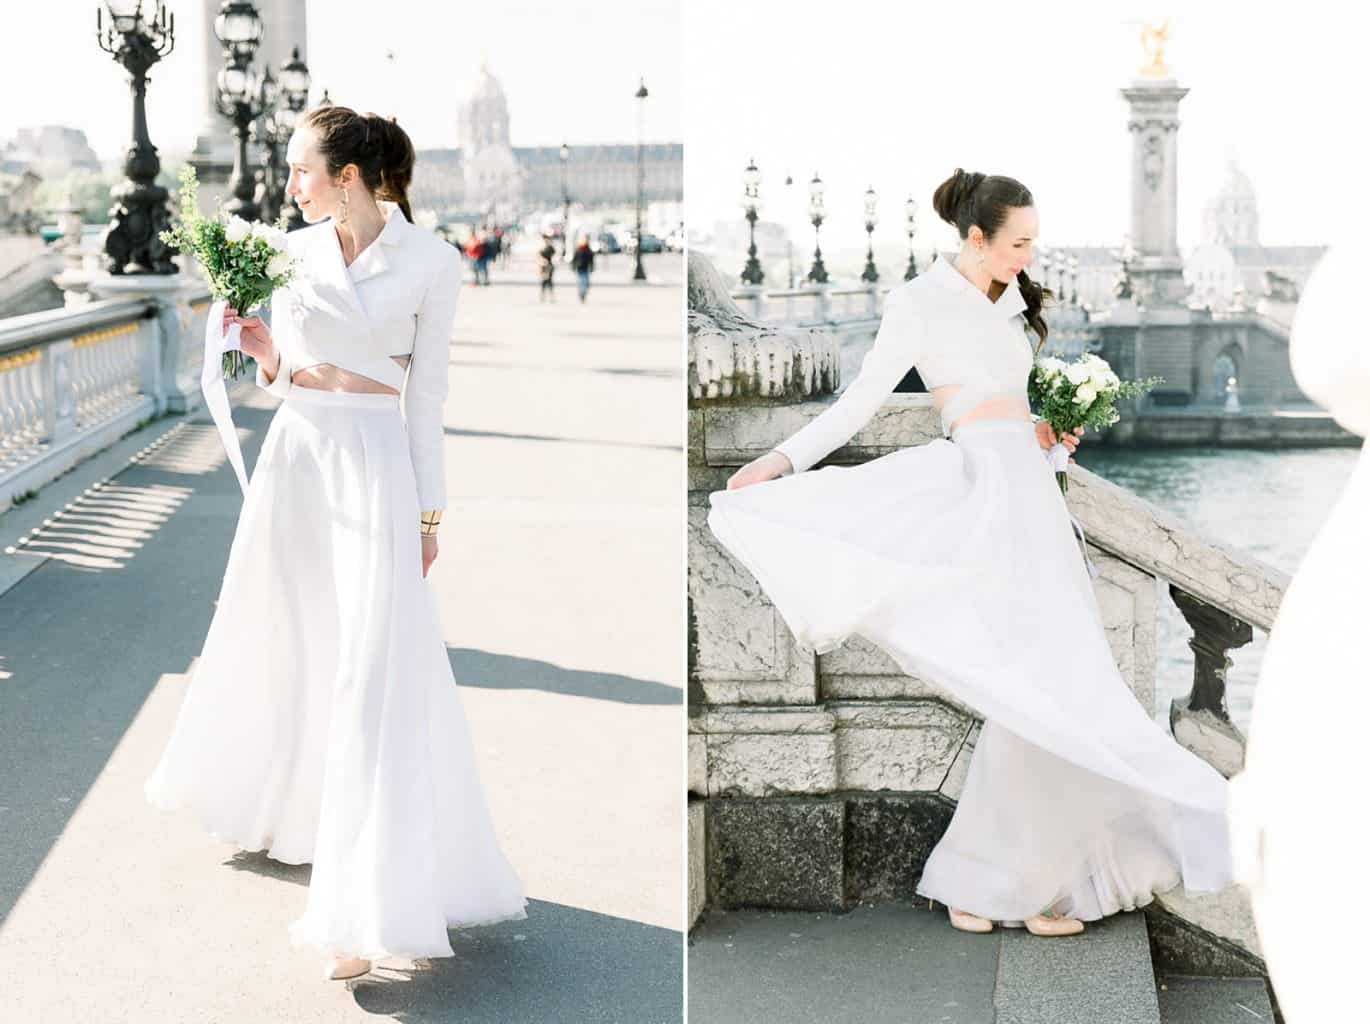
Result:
x=958 y=559
x=322 y=722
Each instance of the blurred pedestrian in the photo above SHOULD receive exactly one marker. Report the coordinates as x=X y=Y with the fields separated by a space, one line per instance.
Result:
x=583 y=263
x=547 y=265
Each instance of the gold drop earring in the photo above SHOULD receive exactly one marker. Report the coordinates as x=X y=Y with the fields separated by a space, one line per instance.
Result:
x=343 y=218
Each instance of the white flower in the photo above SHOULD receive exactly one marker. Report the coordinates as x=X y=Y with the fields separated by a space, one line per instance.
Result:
x=269 y=233
x=1077 y=373
x=237 y=229
x=278 y=265
x=1085 y=394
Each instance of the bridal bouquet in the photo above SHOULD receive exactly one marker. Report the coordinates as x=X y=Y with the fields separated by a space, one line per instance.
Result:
x=244 y=261
x=1078 y=394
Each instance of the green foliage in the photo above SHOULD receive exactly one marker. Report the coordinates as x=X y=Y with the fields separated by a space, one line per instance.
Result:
x=237 y=257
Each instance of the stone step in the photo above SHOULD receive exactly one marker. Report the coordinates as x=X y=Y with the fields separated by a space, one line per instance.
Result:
x=1102 y=974
x=1190 y=1000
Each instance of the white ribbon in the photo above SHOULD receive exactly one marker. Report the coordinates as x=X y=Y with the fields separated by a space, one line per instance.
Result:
x=1058 y=456
x=217 y=342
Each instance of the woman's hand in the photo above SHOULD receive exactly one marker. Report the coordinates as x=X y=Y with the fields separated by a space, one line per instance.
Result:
x=767 y=467
x=1046 y=437
x=430 y=549
x=256 y=339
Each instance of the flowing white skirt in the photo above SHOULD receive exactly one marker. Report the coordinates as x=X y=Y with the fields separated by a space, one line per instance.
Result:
x=322 y=722
x=958 y=559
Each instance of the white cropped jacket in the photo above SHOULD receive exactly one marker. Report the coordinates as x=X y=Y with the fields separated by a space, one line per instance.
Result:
x=399 y=297
x=952 y=333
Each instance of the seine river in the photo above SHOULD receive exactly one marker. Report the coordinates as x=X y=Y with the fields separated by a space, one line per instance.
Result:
x=1270 y=503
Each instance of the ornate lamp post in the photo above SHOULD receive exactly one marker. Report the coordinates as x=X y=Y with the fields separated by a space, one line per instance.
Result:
x=565 y=206
x=911 y=228
x=870 y=274
x=139 y=37
x=239 y=29
x=271 y=135
x=639 y=273
x=789 y=211
x=294 y=92
x=1074 y=264
x=751 y=203
x=818 y=274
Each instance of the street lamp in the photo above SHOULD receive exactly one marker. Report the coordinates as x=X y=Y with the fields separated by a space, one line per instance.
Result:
x=870 y=274
x=639 y=273
x=818 y=274
x=138 y=39
x=1074 y=264
x=565 y=205
x=911 y=227
x=239 y=28
x=751 y=203
x=267 y=132
x=295 y=92
x=789 y=239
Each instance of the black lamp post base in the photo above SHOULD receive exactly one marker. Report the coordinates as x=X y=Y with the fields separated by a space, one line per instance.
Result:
x=137 y=217
x=912 y=271
x=870 y=275
x=818 y=274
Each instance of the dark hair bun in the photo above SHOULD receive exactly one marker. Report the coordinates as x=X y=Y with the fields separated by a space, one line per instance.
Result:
x=953 y=193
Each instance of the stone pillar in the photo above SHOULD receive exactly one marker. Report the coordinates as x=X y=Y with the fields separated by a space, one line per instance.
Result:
x=1153 y=120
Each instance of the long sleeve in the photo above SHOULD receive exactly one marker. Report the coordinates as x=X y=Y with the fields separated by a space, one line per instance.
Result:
x=889 y=358
x=280 y=384
x=425 y=390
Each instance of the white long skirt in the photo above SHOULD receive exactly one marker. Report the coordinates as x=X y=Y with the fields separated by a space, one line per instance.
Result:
x=323 y=722
x=958 y=559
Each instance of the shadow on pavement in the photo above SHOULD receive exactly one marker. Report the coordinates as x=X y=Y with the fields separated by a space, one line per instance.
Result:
x=488 y=671
x=561 y=964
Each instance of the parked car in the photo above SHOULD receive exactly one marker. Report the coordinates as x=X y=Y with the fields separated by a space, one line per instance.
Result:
x=650 y=243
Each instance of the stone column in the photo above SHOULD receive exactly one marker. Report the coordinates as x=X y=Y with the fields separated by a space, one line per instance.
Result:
x=1153 y=120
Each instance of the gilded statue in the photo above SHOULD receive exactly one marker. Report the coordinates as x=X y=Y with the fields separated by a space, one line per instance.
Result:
x=1154 y=38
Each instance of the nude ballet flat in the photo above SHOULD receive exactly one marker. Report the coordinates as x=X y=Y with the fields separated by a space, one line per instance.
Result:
x=343 y=968
x=967 y=922
x=1049 y=924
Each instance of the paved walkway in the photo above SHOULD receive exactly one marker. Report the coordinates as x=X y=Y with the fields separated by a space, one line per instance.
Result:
x=560 y=585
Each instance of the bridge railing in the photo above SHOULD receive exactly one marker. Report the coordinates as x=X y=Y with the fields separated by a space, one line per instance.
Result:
x=76 y=379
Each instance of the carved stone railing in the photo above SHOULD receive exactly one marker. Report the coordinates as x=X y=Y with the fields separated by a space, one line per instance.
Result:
x=74 y=380
x=826 y=757
x=812 y=305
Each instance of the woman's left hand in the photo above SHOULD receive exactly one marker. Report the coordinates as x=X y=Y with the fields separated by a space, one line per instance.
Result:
x=1047 y=438
x=430 y=550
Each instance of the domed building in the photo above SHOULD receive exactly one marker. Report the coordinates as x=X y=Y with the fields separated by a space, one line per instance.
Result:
x=492 y=179
x=486 y=175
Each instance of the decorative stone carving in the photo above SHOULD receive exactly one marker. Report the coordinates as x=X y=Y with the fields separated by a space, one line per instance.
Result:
x=732 y=356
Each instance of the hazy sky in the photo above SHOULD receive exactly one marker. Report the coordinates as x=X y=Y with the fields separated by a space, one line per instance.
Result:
x=897 y=95
x=568 y=76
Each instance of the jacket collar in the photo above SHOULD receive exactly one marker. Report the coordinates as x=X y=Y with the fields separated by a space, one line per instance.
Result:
x=1009 y=303
x=375 y=259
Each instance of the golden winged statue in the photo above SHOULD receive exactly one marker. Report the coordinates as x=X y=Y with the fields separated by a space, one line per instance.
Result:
x=1154 y=37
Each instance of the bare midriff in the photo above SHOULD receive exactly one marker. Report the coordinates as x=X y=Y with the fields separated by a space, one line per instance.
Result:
x=998 y=407
x=327 y=377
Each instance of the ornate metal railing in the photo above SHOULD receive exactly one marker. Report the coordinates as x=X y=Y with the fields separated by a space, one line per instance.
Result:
x=73 y=380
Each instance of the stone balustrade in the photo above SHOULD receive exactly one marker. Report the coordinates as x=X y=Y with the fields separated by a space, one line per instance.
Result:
x=76 y=379
x=819 y=780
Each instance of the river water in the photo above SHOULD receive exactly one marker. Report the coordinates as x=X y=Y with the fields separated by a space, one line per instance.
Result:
x=1268 y=502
